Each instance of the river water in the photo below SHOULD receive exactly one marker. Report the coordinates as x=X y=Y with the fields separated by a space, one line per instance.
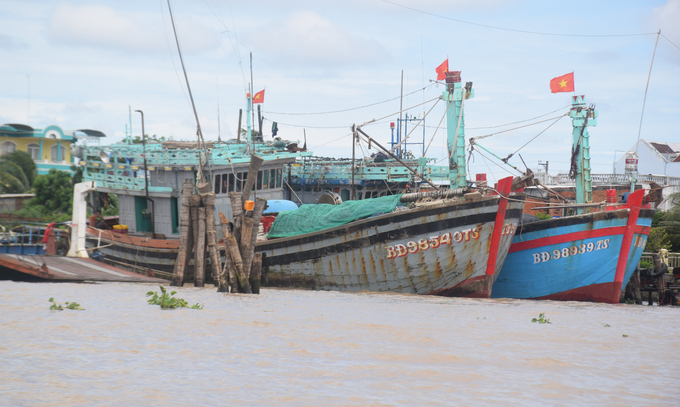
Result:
x=308 y=348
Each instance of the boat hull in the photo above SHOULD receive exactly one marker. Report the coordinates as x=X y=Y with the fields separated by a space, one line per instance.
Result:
x=578 y=258
x=451 y=250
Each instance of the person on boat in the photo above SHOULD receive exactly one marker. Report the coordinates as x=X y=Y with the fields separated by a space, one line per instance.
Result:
x=96 y=220
x=46 y=236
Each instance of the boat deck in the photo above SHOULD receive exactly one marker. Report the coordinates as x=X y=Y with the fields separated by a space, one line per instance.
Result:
x=65 y=269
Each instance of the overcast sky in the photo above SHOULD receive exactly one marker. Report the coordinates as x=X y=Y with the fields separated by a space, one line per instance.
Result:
x=80 y=64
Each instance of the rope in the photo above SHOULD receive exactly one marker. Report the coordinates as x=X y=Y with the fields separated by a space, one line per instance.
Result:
x=534 y=138
x=514 y=30
x=350 y=109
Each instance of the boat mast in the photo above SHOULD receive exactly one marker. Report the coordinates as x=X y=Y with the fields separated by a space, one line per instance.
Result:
x=199 y=133
x=581 y=118
x=455 y=96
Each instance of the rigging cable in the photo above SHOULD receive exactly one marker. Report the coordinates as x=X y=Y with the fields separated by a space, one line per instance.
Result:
x=514 y=30
x=350 y=109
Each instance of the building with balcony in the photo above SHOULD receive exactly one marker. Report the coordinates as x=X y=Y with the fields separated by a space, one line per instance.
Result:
x=49 y=147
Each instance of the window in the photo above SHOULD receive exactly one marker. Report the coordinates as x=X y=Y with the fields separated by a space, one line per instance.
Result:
x=232 y=182
x=7 y=147
x=259 y=180
x=272 y=178
x=34 y=150
x=218 y=177
x=278 y=177
x=265 y=179
x=225 y=184
x=53 y=153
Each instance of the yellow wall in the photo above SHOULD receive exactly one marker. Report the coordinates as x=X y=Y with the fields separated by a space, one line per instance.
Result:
x=23 y=142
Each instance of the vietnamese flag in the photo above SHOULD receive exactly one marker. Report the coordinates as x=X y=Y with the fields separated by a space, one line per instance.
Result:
x=442 y=70
x=259 y=97
x=564 y=83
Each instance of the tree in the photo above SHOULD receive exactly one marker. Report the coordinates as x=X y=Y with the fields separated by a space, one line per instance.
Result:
x=12 y=178
x=25 y=161
x=54 y=192
x=670 y=222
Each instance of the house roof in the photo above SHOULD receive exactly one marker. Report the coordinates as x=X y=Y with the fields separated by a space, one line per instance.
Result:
x=668 y=151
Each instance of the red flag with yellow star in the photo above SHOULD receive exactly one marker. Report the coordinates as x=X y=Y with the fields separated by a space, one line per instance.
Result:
x=564 y=83
x=259 y=97
x=442 y=69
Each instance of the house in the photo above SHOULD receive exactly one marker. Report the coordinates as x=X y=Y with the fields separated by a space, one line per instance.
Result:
x=49 y=147
x=654 y=158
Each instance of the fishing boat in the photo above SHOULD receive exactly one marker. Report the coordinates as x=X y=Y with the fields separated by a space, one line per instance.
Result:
x=451 y=247
x=584 y=257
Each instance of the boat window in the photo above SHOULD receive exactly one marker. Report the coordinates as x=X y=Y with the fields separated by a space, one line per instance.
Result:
x=217 y=183
x=297 y=188
x=259 y=180
x=265 y=179
x=225 y=184
x=239 y=178
x=278 y=177
x=231 y=183
x=272 y=178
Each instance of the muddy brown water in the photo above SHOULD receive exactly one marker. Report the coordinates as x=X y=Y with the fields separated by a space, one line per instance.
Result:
x=309 y=348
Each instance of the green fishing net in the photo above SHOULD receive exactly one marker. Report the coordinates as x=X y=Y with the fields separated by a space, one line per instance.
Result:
x=312 y=218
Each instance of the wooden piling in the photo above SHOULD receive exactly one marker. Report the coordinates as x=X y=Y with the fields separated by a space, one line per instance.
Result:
x=185 y=236
x=199 y=252
x=213 y=251
x=256 y=273
x=237 y=213
x=255 y=163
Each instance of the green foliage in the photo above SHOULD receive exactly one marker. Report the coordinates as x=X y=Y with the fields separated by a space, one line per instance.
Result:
x=605 y=325
x=25 y=161
x=646 y=264
x=168 y=301
x=658 y=239
x=54 y=191
x=154 y=138
x=12 y=178
x=55 y=306
x=543 y=215
x=69 y=305
x=541 y=319
x=408 y=155
x=670 y=222
x=77 y=174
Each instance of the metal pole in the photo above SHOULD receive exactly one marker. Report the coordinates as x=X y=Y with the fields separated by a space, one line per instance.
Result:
x=146 y=179
x=401 y=107
x=354 y=142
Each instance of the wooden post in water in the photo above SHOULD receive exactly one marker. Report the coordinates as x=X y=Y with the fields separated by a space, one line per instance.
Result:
x=209 y=203
x=199 y=257
x=255 y=163
x=237 y=212
x=256 y=273
x=185 y=236
x=223 y=279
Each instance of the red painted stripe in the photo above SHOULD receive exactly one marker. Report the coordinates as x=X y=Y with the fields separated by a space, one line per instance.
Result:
x=634 y=203
x=504 y=186
x=569 y=237
x=644 y=230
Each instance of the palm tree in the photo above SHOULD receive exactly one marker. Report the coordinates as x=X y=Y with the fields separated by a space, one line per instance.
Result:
x=12 y=178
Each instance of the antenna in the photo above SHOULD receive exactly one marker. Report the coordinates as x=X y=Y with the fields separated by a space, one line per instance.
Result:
x=217 y=81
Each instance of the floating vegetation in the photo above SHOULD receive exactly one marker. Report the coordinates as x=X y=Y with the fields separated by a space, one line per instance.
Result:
x=69 y=305
x=168 y=301
x=625 y=336
x=605 y=325
x=541 y=319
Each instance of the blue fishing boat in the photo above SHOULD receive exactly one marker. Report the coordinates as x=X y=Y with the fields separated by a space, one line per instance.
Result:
x=585 y=257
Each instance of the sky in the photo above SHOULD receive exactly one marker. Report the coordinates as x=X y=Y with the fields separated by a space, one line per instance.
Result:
x=326 y=65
